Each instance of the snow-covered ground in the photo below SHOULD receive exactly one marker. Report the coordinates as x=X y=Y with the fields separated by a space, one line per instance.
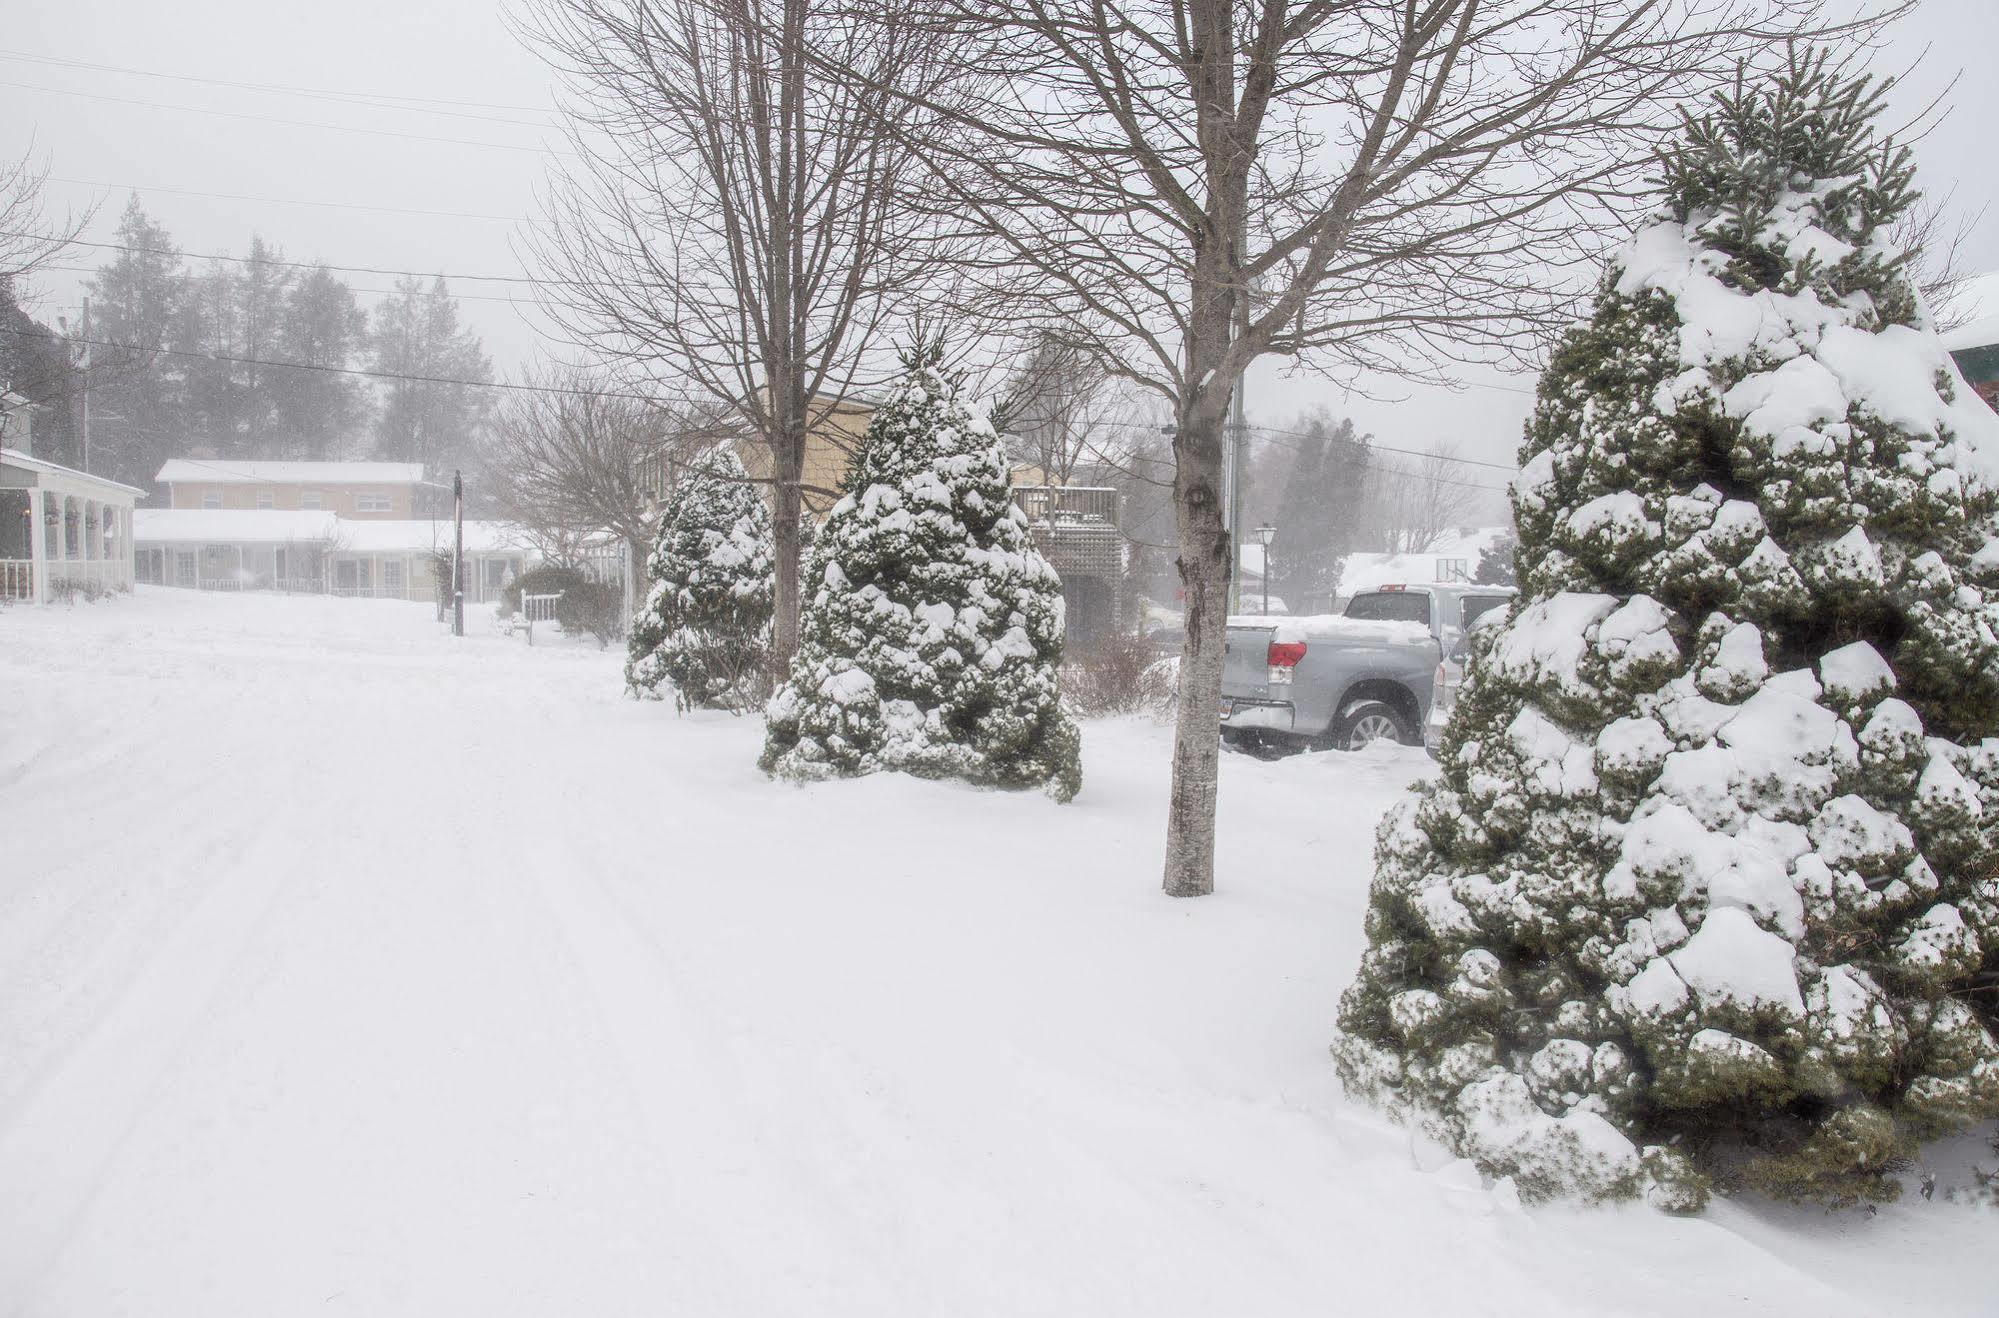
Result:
x=345 y=968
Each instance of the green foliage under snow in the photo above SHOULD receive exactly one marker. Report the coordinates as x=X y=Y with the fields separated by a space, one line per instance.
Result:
x=705 y=625
x=930 y=636
x=1705 y=895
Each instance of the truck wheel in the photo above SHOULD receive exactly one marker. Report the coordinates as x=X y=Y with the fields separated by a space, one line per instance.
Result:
x=1257 y=743
x=1367 y=721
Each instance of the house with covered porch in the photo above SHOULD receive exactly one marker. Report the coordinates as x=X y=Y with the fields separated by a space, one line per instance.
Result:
x=315 y=552
x=62 y=530
x=261 y=549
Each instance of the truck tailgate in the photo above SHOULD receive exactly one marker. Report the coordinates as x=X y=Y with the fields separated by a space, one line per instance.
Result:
x=1246 y=663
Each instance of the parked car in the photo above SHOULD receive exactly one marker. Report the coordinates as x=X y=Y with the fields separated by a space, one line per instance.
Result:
x=1450 y=676
x=1344 y=681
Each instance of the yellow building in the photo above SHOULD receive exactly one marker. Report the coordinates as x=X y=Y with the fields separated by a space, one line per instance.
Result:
x=352 y=490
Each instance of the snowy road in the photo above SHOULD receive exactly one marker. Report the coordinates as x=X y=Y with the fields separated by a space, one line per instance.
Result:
x=347 y=969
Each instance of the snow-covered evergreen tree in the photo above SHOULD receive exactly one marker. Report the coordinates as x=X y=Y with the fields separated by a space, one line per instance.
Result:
x=1705 y=895
x=705 y=626
x=1495 y=562
x=931 y=633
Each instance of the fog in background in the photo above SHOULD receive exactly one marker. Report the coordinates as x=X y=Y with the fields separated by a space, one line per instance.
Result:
x=457 y=207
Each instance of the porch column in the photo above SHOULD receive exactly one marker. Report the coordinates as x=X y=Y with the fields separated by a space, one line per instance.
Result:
x=93 y=542
x=38 y=546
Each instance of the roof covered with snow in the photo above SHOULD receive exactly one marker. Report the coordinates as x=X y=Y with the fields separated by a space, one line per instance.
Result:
x=423 y=535
x=1978 y=302
x=236 y=526
x=14 y=457
x=265 y=526
x=1371 y=571
x=219 y=471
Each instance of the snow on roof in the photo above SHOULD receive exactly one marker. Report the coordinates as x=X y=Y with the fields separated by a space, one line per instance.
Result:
x=1310 y=627
x=1371 y=571
x=1978 y=302
x=218 y=471
x=421 y=536
x=265 y=526
x=14 y=457
x=238 y=526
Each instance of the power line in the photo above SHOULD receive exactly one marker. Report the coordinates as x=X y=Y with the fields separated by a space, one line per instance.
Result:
x=1507 y=467
x=289 y=123
x=1427 y=454
x=344 y=370
x=65 y=62
x=308 y=265
x=382 y=292
x=293 y=201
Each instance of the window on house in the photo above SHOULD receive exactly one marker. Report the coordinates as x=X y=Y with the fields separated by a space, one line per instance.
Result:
x=265 y=499
x=392 y=575
x=211 y=499
x=1453 y=569
x=371 y=503
x=310 y=500
x=184 y=567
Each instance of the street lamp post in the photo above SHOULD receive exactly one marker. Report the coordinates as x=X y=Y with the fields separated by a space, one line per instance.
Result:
x=1264 y=535
x=457 y=554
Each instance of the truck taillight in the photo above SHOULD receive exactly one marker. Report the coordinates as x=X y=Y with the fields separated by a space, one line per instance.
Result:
x=1283 y=656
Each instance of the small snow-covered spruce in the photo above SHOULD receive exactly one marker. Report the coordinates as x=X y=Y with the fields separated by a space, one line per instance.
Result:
x=705 y=625
x=1495 y=562
x=931 y=638
x=1704 y=897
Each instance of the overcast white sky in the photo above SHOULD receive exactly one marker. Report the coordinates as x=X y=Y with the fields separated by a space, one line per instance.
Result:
x=463 y=50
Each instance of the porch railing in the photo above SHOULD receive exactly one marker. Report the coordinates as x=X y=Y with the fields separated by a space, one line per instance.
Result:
x=89 y=575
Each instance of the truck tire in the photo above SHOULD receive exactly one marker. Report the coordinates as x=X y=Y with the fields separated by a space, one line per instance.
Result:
x=1258 y=743
x=1366 y=721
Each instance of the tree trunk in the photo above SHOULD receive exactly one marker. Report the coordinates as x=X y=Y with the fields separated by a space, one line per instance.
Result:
x=788 y=376
x=1204 y=578
x=788 y=471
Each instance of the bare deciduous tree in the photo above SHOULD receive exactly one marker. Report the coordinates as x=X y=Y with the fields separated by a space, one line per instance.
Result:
x=31 y=234
x=1417 y=501
x=1064 y=413
x=1189 y=185
x=736 y=219
x=1935 y=244
x=572 y=458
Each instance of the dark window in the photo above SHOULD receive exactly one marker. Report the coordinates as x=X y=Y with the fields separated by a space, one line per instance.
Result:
x=1476 y=606
x=1391 y=606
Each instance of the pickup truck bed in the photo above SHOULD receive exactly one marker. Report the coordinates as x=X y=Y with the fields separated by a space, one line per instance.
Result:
x=1344 y=680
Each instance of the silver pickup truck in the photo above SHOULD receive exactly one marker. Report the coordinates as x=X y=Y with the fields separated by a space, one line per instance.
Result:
x=1344 y=681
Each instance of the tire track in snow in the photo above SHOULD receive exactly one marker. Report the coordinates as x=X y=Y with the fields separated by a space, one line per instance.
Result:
x=55 y=1153
x=763 y=1248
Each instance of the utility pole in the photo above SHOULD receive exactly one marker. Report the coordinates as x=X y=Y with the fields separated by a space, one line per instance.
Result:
x=457 y=553
x=86 y=384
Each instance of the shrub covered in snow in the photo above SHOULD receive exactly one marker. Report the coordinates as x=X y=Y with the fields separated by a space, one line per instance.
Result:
x=1705 y=894
x=705 y=626
x=932 y=636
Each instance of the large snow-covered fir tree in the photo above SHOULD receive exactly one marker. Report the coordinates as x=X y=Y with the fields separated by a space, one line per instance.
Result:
x=1705 y=896
x=705 y=625
x=931 y=632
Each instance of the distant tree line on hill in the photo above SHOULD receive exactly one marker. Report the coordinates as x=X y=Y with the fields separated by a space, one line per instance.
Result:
x=246 y=359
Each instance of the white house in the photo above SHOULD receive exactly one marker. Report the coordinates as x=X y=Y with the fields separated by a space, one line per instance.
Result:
x=229 y=550
x=61 y=529
x=321 y=552
x=393 y=558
